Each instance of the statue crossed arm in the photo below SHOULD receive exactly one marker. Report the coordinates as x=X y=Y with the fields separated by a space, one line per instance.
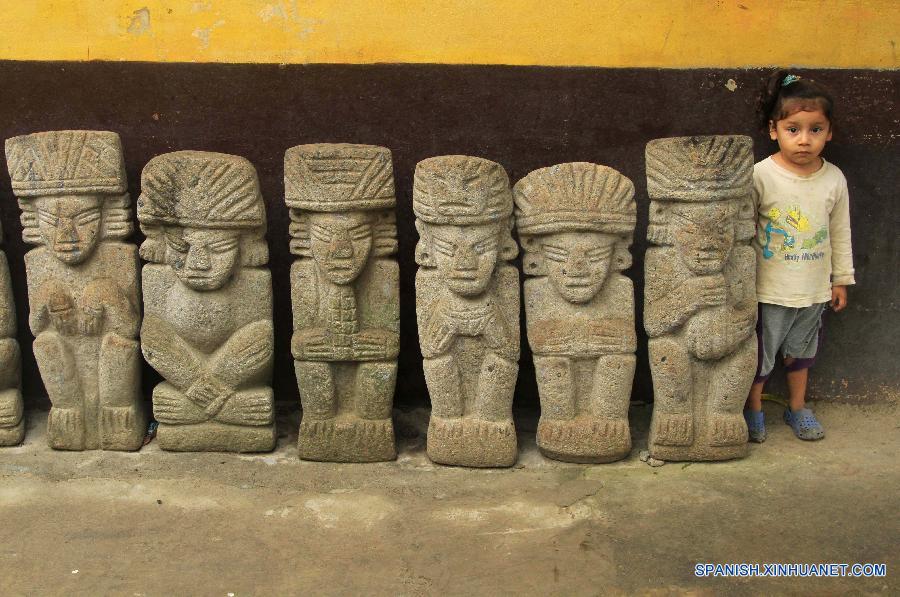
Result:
x=212 y=383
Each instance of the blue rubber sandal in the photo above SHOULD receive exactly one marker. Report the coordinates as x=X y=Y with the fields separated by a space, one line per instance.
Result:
x=804 y=424
x=756 y=425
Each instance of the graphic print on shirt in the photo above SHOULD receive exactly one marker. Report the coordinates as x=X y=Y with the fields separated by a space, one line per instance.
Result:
x=792 y=228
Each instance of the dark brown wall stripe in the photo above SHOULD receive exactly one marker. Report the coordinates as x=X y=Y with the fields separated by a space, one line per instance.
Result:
x=522 y=117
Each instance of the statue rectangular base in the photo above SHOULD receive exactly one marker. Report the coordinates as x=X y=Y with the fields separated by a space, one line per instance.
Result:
x=12 y=436
x=347 y=438
x=216 y=437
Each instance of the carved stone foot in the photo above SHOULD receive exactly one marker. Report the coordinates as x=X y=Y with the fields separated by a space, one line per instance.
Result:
x=472 y=442
x=584 y=439
x=727 y=430
x=65 y=429
x=674 y=430
x=122 y=428
x=347 y=438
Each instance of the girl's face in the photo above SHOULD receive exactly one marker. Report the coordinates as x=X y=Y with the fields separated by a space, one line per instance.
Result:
x=801 y=138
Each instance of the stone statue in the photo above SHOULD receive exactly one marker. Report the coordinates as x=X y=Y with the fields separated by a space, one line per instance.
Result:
x=83 y=288
x=467 y=308
x=12 y=421
x=700 y=299
x=345 y=296
x=576 y=222
x=208 y=302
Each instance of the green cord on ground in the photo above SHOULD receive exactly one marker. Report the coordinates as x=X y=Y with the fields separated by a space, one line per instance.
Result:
x=775 y=398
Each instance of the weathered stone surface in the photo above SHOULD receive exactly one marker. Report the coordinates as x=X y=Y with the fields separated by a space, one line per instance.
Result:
x=700 y=299
x=83 y=287
x=207 y=302
x=12 y=421
x=345 y=296
x=576 y=222
x=467 y=308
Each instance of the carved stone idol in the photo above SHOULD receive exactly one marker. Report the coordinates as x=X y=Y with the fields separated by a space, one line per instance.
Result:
x=700 y=299
x=207 y=302
x=12 y=421
x=345 y=295
x=467 y=307
x=576 y=223
x=82 y=285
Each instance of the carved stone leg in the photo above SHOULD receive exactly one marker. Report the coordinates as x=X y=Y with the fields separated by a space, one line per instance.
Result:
x=65 y=425
x=122 y=418
x=672 y=423
x=364 y=433
x=558 y=428
x=184 y=426
x=12 y=423
x=317 y=393
x=486 y=438
x=444 y=386
x=728 y=386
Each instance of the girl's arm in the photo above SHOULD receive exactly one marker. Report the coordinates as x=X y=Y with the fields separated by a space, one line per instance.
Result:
x=839 y=232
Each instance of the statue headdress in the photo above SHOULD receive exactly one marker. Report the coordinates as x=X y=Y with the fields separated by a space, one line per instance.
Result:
x=340 y=177
x=574 y=197
x=462 y=190
x=697 y=170
x=201 y=189
x=57 y=163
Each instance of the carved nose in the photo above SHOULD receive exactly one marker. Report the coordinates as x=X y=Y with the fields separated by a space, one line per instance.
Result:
x=197 y=258
x=575 y=267
x=66 y=232
x=465 y=261
x=341 y=248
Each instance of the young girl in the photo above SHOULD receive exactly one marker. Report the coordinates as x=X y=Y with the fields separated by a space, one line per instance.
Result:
x=804 y=260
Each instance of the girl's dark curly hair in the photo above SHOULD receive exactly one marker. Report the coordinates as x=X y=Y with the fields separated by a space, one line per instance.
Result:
x=779 y=100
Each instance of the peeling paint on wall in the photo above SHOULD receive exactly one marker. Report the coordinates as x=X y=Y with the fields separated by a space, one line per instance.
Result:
x=140 y=22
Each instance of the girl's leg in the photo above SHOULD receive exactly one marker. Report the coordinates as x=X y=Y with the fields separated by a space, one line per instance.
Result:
x=796 y=381
x=754 y=400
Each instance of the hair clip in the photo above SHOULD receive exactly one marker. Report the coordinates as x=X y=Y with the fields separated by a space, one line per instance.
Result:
x=788 y=79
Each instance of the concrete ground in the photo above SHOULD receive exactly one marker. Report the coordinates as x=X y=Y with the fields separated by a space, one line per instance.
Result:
x=157 y=523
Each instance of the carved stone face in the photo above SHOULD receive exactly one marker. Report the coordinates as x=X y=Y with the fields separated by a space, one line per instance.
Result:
x=704 y=236
x=465 y=255
x=341 y=243
x=203 y=259
x=578 y=263
x=70 y=226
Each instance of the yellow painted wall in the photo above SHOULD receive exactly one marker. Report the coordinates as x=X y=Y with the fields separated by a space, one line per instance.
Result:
x=613 y=33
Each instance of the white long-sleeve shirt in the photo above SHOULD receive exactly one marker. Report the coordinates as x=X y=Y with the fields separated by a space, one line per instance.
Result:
x=802 y=234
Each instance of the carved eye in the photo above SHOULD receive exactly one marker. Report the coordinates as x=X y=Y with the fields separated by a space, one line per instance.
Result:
x=361 y=232
x=86 y=217
x=557 y=254
x=48 y=218
x=321 y=234
x=485 y=246
x=223 y=246
x=599 y=254
x=444 y=247
x=177 y=244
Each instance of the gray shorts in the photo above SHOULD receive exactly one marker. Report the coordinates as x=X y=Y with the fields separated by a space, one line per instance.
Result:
x=793 y=330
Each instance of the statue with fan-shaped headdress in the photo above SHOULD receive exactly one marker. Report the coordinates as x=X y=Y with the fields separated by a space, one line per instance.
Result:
x=700 y=295
x=207 y=302
x=83 y=288
x=345 y=295
x=576 y=222
x=467 y=308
